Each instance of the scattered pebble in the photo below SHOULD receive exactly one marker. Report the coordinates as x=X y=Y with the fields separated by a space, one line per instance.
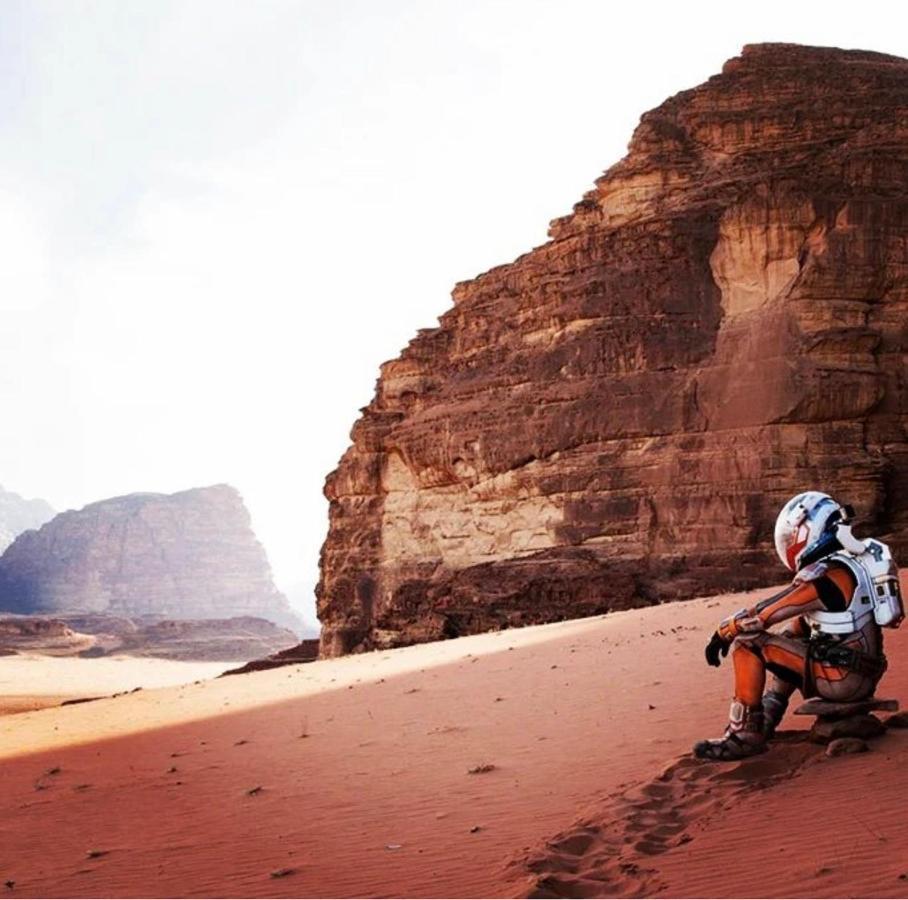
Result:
x=240 y=743
x=282 y=873
x=96 y=854
x=481 y=769
x=256 y=790
x=475 y=828
x=393 y=846
x=841 y=746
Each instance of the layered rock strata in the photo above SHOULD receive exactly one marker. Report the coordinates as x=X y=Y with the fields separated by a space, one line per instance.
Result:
x=615 y=417
x=190 y=555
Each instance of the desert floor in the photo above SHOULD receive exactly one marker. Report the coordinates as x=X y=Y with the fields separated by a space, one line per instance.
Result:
x=31 y=681
x=352 y=778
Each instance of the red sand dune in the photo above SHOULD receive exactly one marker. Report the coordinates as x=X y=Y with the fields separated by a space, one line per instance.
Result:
x=350 y=777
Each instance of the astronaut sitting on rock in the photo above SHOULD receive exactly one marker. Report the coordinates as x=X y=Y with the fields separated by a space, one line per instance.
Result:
x=844 y=590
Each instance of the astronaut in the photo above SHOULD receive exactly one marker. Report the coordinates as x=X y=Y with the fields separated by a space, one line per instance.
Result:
x=844 y=591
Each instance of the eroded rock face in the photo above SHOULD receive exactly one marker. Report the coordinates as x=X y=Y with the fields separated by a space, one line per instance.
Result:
x=616 y=417
x=18 y=514
x=190 y=555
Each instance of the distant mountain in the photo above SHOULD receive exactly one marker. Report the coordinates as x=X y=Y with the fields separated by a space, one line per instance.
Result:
x=190 y=555
x=18 y=514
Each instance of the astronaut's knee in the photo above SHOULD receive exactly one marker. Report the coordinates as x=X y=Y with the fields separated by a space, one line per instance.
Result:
x=750 y=643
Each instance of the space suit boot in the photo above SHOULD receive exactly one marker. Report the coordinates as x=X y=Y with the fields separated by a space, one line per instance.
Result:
x=774 y=706
x=743 y=737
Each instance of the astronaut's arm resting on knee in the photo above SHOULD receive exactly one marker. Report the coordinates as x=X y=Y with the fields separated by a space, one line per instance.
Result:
x=795 y=600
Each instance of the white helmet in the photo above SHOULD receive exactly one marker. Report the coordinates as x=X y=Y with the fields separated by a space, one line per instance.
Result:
x=806 y=529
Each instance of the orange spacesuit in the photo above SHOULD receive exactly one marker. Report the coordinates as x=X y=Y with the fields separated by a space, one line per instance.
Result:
x=843 y=592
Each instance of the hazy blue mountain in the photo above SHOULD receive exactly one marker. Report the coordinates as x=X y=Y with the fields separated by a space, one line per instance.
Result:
x=18 y=514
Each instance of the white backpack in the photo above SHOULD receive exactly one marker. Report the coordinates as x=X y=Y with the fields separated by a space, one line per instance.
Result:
x=877 y=593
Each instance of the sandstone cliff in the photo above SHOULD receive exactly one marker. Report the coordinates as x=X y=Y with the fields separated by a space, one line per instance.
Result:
x=190 y=555
x=18 y=514
x=615 y=417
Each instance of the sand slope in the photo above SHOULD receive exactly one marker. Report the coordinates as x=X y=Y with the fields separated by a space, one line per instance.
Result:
x=33 y=681
x=350 y=777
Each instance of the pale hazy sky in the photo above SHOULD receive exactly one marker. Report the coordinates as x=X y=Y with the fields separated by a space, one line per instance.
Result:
x=218 y=218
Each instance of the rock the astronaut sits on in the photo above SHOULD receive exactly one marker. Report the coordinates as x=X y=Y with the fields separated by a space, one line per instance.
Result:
x=844 y=591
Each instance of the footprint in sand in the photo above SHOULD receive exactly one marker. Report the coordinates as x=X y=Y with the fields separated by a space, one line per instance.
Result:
x=614 y=854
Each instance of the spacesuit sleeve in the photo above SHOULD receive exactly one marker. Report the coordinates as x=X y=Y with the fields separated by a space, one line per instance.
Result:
x=829 y=590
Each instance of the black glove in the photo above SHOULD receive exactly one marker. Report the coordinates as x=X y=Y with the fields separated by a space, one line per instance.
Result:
x=717 y=644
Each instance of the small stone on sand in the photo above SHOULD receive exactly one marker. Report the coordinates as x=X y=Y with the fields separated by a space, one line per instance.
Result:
x=842 y=746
